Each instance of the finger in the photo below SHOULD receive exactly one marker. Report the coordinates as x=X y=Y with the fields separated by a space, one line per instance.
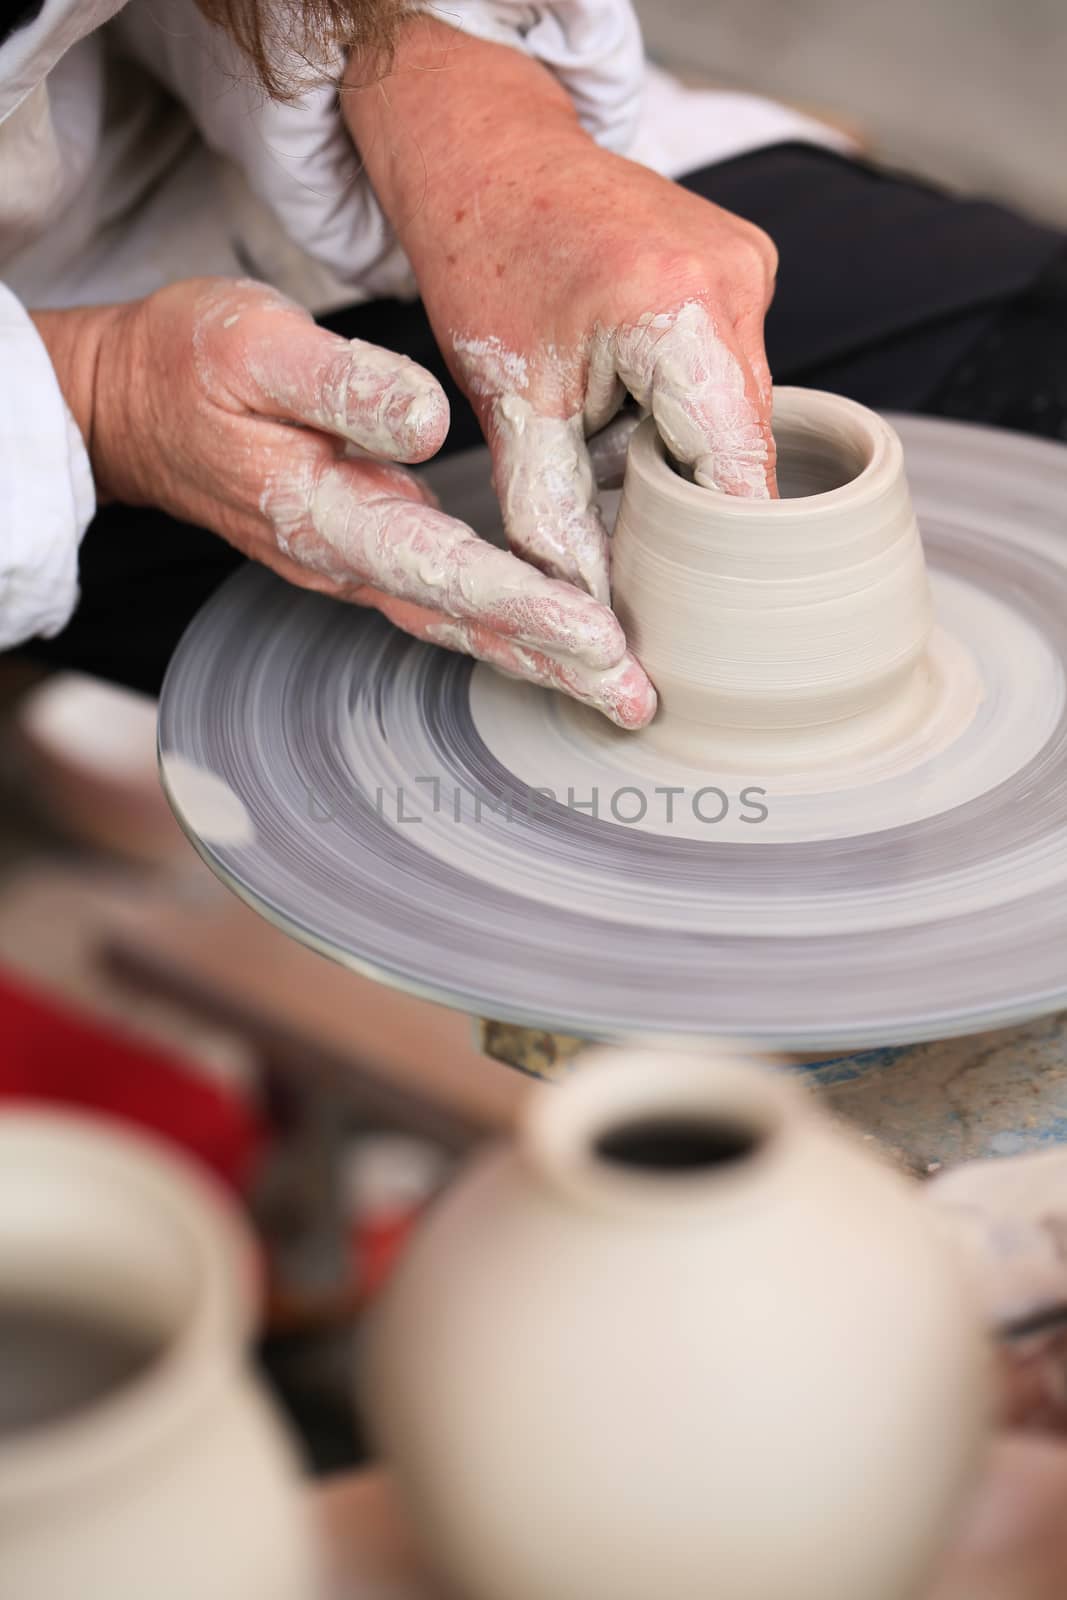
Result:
x=547 y=493
x=749 y=330
x=605 y=391
x=608 y=448
x=383 y=402
x=622 y=693
x=712 y=412
x=353 y=523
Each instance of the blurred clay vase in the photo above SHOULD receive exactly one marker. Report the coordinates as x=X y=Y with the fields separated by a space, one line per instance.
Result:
x=778 y=631
x=686 y=1338
x=139 y=1456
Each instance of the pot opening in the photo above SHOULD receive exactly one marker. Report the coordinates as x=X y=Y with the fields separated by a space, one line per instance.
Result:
x=816 y=463
x=62 y=1360
x=680 y=1144
x=810 y=462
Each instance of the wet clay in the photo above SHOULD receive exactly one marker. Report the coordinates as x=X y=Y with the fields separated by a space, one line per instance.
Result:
x=779 y=633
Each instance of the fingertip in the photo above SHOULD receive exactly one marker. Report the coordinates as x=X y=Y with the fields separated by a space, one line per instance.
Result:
x=627 y=698
x=633 y=715
x=385 y=403
x=422 y=421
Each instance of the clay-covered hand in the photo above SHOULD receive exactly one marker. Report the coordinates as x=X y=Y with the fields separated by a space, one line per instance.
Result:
x=561 y=278
x=638 y=288
x=681 y=333
x=224 y=404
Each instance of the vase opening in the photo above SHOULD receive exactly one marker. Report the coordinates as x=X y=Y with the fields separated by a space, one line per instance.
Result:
x=682 y=1144
x=655 y=1126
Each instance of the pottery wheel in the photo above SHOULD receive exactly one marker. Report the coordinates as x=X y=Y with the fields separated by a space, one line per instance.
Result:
x=388 y=804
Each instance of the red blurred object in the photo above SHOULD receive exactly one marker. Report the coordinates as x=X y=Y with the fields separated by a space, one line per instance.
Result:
x=387 y=1181
x=49 y=1053
x=379 y=1244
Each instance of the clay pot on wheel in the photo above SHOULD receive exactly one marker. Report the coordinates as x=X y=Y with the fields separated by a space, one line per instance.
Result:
x=139 y=1456
x=778 y=631
x=684 y=1338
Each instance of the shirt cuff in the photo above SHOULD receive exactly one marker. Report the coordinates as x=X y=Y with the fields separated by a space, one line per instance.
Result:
x=593 y=47
x=48 y=496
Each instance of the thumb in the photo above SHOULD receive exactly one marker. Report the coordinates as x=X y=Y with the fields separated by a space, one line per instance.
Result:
x=290 y=368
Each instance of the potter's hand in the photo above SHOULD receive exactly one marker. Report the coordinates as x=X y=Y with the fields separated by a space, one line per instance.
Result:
x=225 y=405
x=559 y=277
x=1012 y=1542
x=1008 y=1218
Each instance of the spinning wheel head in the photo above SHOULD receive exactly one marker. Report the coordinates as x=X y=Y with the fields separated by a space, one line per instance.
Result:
x=485 y=844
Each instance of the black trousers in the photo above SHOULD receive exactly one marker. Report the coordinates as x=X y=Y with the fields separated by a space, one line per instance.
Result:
x=889 y=291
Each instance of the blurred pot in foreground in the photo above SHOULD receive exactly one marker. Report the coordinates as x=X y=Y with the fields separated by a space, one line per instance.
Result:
x=686 y=1336
x=138 y=1454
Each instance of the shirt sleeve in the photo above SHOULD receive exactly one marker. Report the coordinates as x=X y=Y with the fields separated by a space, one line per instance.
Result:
x=298 y=156
x=594 y=47
x=47 y=486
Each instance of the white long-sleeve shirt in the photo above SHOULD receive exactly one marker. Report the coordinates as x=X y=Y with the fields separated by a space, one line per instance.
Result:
x=136 y=149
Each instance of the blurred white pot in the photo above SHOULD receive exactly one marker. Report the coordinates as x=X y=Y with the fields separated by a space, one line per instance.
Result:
x=138 y=1454
x=89 y=749
x=686 y=1338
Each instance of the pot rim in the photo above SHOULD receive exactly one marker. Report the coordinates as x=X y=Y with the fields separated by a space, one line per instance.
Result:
x=822 y=410
x=615 y=1086
x=215 y=1320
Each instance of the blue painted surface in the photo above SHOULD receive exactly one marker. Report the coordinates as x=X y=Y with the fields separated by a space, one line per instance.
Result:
x=845 y=1069
x=993 y=1094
